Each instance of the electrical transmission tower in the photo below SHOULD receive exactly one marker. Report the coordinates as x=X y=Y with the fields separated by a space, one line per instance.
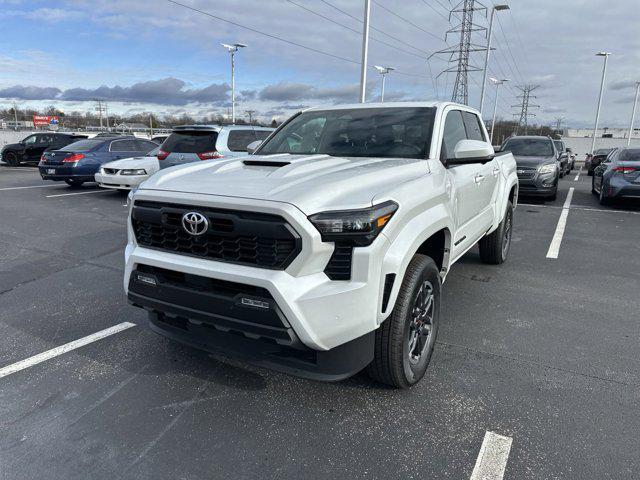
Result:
x=460 y=53
x=523 y=123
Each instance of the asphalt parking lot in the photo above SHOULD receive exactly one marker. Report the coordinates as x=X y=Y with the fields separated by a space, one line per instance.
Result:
x=541 y=350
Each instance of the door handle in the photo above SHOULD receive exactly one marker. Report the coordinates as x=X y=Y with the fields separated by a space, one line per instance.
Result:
x=479 y=178
x=496 y=171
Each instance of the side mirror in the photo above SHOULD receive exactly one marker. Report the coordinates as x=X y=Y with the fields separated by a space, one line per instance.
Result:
x=253 y=146
x=471 y=151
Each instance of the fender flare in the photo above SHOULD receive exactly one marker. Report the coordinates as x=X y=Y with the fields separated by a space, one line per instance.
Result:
x=503 y=196
x=404 y=247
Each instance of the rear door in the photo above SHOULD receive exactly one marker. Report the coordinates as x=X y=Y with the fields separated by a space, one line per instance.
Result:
x=467 y=198
x=34 y=146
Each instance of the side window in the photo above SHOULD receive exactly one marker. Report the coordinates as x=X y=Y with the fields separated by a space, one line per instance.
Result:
x=45 y=139
x=239 y=139
x=145 y=146
x=474 y=128
x=30 y=140
x=454 y=131
x=123 y=146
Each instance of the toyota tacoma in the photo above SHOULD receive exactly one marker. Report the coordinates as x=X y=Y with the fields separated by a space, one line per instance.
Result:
x=324 y=252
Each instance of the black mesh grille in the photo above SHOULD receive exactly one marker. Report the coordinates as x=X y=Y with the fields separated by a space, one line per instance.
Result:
x=247 y=238
x=339 y=266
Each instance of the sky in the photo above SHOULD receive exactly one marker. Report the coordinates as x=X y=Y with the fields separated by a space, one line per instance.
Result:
x=161 y=57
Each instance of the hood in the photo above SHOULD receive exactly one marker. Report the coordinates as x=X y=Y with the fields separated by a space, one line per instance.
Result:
x=12 y=146
x=313 y=183
x=533 y=161
x=133 y=162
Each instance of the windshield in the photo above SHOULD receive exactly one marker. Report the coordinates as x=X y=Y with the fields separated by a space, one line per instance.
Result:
x=630 y=156
x=603 y=151
x=559 y=145
x=529 y=147
x=359 y=132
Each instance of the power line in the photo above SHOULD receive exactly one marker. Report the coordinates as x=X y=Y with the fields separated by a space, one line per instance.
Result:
x=407 y=21
x=436 y=11
x=506 y=41
x=284 y=40
x=275 y=37
x=358 y=31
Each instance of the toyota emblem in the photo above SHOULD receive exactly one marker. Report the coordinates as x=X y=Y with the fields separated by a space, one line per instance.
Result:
x=195 y=223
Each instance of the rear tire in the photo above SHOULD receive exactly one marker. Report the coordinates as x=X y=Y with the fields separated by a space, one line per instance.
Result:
x=604 y=200
x=11 y=158
x=73 y=183
x=494 y=248
x=404 y=342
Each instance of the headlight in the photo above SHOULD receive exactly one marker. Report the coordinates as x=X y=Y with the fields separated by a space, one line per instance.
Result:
x=548 y=168
x=133 y=171
x=360 y=227
x=102 y=172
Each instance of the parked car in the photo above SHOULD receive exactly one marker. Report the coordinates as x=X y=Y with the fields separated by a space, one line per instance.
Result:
x=617 y=176
x=324 y=252
x=572 y=159
x=78 y=162
x=31 y=148
x=597 y=158
x=538 y=166
x=190 y=143
x=563 y=158
x=128 y=173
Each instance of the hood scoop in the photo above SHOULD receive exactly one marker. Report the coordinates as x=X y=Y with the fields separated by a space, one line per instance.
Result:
x=265 y=163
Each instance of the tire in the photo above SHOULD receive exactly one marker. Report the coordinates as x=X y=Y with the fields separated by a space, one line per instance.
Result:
x=553 y=197
x=603 y=199
x=10 y=158
x=494 y=248
x=73 y=183
x=394 y=362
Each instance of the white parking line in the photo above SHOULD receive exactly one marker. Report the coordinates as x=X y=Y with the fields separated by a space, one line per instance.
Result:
x=578 y=175
x=23 y=188
x=76 y=193
x=556 y=241
x=493 y=456
x=67 y=347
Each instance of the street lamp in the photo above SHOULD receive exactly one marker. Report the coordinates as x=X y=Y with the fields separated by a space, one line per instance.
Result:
x=604 y=74
x=633 y=113
x=365 y=50
x=497 y=83
x=496 y=8
x=383 y=71
x=232 y=50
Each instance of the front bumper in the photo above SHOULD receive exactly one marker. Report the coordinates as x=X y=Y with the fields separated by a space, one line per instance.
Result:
x=539 y=186
x=321 y=314
x=120 y=182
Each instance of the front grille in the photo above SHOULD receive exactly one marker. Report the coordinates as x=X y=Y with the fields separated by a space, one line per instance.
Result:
x=526 y=173
x=339 y=266
x=241 y=237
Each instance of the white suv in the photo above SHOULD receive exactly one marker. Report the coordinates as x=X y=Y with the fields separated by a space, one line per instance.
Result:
x=190 y=143
x=324 y=252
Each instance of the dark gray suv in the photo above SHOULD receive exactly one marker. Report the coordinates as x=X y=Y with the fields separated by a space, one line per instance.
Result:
x=538 y=168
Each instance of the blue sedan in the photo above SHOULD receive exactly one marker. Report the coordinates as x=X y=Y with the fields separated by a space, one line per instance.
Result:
x=78 y=162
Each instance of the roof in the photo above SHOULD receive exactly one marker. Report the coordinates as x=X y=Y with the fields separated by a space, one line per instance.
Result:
x=434 y=104
x=217 y=128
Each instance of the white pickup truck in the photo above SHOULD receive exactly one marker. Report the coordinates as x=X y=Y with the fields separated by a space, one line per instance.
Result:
x=323 y=252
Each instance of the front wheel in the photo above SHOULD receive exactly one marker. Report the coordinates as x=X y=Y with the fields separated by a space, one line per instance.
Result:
x=494 y=248
x=11 y=158
x=405 y=341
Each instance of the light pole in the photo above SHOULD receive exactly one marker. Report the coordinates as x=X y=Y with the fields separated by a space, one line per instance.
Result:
x=633 y=114
x=604 y=74
x=365 y=50
x=232 y=50
x=495 y=9
x=383 y=71
x=497 y=83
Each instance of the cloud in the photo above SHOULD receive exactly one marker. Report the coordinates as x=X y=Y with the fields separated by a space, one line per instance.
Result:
x=292 y=92
x=53 y=15
x=622 y=85
x=167 y=91
x=29 y=92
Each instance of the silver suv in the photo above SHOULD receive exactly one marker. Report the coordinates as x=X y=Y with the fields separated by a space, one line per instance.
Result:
x=190 y=143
